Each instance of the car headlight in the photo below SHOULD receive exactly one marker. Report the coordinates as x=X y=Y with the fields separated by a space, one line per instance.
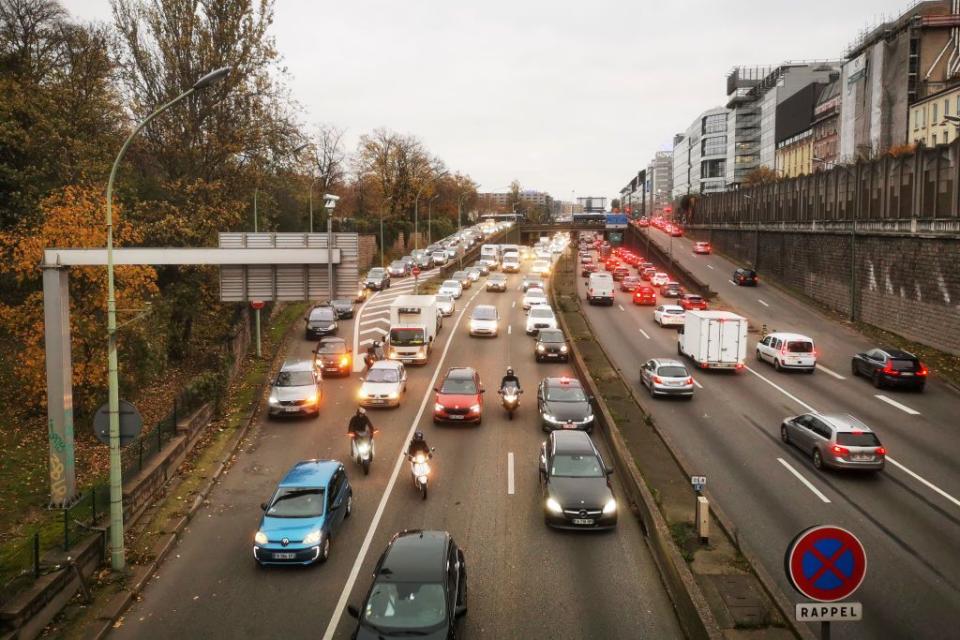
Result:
x=394 y=352
x=393 y=395
x=438 y=407
x=344 y=361
x=261 y=538
x=589 y=418
x=312 y=399
x=274 y=400
x=313 y=537
x=550 y=418
x=475 y=408
x=610 y=507
x=554 y=506
x=541 y=348
x=362 y=393
x=333 y=326
x=563 y=348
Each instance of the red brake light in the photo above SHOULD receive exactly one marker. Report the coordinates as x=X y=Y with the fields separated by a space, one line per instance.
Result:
x=880 y=451
x=739 y=365
x=889 y=370
x=840 y=451
x=689 y=380
x=923 y=370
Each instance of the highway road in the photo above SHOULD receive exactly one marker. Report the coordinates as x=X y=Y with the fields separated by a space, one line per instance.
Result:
x=525 y=581
x=908 y=516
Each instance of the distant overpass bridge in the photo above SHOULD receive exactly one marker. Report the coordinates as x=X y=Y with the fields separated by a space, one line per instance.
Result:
x=531 y=230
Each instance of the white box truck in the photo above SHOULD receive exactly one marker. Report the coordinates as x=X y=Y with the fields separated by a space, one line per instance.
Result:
x=714 y=339
x=414 y=322
x=600 y=288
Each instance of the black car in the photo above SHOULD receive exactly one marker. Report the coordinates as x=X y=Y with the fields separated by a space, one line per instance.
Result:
x=377 y=279
x=398 y=269
x=419 y=589
x=890 y=367
x=564 y=405
x=343 y=307
x=745 y=277
x=551 y=345
x=333 y=356
x=321 y=321
x=575 y=483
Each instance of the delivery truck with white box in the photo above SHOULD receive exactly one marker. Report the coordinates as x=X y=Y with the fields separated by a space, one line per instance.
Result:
x=414 y=322
x=714 y=339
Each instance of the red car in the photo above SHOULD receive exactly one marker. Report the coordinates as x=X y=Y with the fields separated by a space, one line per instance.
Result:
x=676 y=231
x=693 y=301
x=610 y=265
x=459 y=397
x=644 y=295
x=588 y=268
x=702 y=247
x=647 y=273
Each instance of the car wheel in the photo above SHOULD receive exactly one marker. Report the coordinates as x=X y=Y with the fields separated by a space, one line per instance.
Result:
x=776 y=364
x=325 y=549
x=759 y=357
x=784 y=435
x=817 y=459
x=349 y=509
x=877 y=380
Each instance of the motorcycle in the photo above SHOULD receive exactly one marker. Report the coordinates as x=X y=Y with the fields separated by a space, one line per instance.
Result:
x=363 y=450
x=374 y=355
x=420 y=469
x=510 y=399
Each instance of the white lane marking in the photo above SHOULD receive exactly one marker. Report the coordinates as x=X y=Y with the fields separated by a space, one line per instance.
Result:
x=782 y=390
x=809 y=484
x=383 y=311
x=645 y=334
x=510 y=473
x=379 y=305
x=509 y=329
x=699 y=386
x=922 y=480
x=374 y=330
x=894 y=403
x=378 y=514
x=513 y=305
x=732 y=282
x=709 y=266
x=358 y=364
x=830 y=372
x=762 y=302
x=367 y=323
x=621 y=307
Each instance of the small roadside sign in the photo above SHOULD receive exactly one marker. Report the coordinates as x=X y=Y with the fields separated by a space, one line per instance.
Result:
x=257 y=304
x=131 y=423
x=698 y=482
x=415 y=271
x=832 y=612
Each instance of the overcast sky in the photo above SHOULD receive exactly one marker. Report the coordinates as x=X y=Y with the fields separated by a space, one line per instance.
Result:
x=561 y=95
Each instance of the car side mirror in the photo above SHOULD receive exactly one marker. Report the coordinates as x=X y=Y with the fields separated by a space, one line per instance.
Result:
x=353 y=611
x=608 y=471
x=460 y=611
x=263 y=506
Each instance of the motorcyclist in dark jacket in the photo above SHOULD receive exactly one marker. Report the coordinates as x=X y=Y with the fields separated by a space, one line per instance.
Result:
x=418 y=446
x=510 y=380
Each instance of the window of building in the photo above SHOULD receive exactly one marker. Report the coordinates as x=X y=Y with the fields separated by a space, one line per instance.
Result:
x=946 y=107
x=934 y=139
x=934 y=119
x=916 y=119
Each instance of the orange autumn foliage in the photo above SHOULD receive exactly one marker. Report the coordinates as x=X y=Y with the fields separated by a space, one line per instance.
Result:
x=71 y=217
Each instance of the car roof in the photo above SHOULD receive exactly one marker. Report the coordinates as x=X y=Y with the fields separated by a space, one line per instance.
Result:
x=461 y=372
x=297 y=365
x=671 y=307
x=898 y=354
x=386 y=364
x=844 y=422
x=572 y=442
x=415 y=556
x=563 y=381
x=786 y=335
x=668 y=362
x=310 y=473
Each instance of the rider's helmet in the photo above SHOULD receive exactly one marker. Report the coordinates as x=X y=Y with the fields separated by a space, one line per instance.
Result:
x=418 y=436
x=509 y=371
x=361 y=411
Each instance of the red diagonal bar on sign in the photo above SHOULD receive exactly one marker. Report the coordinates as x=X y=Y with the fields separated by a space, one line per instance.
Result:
x=828 y=564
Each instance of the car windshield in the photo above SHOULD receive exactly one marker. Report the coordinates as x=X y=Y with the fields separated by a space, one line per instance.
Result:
x=672 y=372
x=406 y=337
x=858 y=439
x=694 y=299
x=576 y=466
x=451 y=284
x=464 y=386
x=322 y=313
x=550 y=336
x=342 y=302
x=332 y=347
x=536 y=293
x=398 y=265
x=405 y=605
x=297 y=502
x=294 y=379
x=673 y=311
x=485 y=313
x=800 y=346
x=444 y=298
x=383 y=375
x=375 y=273
x=541 y=312
x=498 y=277
x=565 y=393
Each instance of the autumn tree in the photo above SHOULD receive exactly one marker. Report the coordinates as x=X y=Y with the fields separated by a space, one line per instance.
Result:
x=761 y=175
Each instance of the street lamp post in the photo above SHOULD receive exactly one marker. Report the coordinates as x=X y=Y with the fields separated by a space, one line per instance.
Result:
x=329 y=203
x=117 y=560
x=460 y=199
x=416 y=208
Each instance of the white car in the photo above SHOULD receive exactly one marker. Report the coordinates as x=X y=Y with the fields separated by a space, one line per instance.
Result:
x=484 y=321
x=439 y=258
x=669 y=315
x=543 y=253
x=446 y=304
x=659 y=279
x=540 y=267
x=451 y=288
x=788 y=351
x=533 y=297
x=474 y=273
x=489 y=262
x=540 y=317
x=384 y=385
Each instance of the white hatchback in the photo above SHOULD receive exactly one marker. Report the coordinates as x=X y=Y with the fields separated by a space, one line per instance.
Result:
x=384 y=385
x=540 y=267
x=533 y=297
x=540 y=317
x=788 y=351
x=451 y=288
x=669 y=315
x=659 y=279
x=446 y=304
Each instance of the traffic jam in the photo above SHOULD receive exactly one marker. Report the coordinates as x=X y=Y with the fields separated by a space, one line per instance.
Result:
x=301 y=519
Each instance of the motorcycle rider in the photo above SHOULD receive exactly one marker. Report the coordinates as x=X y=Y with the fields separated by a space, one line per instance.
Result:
x=509 y=380
x=418 y=445
x=361 y=428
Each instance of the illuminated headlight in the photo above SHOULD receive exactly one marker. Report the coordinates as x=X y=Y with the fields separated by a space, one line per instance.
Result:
x=333 y=326
x=394 y=353
x=274 y=400
x=475 y=408
x=438 y=407
x=362 y=393
x=313 y=537
x=261 y=538
x=610 y=507
x=312 y=399
x=393 y=395
x=563 y=348
x=363 y=447
x=550 y=418
x=589 y=418
x=541 y=348
x=474 y=324
x=554 y=506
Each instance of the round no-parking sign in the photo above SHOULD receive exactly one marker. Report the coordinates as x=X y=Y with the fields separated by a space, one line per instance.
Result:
x=826 y=563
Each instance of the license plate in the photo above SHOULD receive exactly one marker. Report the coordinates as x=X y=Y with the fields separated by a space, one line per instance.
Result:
x=378 y=401
x=292 y=409
x=569 y=425
x=861 y=458
x=907 y=374
x=583 y=521
x=456 y=417
x=284 y=556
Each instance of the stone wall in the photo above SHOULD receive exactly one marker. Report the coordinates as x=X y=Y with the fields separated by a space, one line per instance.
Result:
x=368 y=251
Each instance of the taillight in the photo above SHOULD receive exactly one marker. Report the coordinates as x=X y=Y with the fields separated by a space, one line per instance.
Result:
x=689 y=380
x=880 y=451
x=739 y=365
x=840 y=451
x=923 y=370
x=889 y=370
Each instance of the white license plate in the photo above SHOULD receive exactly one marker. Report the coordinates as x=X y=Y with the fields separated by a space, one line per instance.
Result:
x=907 y=374
x=569 y=425
x=284 y=556
x=583 y=521
x=292 y=409
x=456 y=417
x=861 y=458
x=378 y=401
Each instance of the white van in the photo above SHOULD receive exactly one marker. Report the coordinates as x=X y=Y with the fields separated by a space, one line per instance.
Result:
x=788 y=351
x=600 y=288
x=511 y=262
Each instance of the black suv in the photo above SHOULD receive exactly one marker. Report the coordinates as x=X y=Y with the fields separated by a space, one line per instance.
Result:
x=551 y=345
x=890 y=367
x=745 y=277
x=419 y=589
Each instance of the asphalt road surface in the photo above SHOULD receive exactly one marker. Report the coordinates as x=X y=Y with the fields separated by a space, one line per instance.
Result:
x=908 y=516
x=525 y=581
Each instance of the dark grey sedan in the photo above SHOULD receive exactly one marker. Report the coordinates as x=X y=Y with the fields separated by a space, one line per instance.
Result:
x=564 y=405
x=834 y=440
x=575 y=483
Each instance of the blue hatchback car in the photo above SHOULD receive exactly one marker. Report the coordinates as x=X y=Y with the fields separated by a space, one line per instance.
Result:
x=307 y=509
